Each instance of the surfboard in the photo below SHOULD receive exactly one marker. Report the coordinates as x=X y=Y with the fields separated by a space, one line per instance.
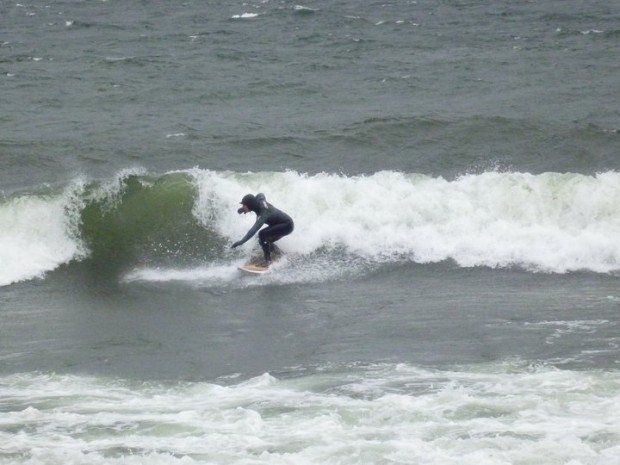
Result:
x=252 y=268
x=256 y=265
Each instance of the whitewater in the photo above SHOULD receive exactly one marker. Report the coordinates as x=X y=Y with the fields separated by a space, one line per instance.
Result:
x=551 y=222
x=495 y=414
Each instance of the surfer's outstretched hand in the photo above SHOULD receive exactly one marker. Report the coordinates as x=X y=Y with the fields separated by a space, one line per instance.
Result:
x=236 y=244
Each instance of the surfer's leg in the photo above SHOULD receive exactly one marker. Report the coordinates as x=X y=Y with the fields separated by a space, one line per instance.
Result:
x=270 y=234
x=263 y=240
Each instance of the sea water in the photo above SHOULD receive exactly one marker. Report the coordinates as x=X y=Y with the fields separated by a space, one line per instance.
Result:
x=497 y=414
x=449 y=295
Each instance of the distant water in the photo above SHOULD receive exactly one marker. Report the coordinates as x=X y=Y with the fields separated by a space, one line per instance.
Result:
x=450 y=293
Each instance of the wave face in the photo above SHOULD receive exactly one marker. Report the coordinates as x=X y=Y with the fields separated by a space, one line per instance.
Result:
x=550 y=222
x=139 y=218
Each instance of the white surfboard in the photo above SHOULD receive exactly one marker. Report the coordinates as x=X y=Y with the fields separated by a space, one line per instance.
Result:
x=256 y=265
x=252 y=268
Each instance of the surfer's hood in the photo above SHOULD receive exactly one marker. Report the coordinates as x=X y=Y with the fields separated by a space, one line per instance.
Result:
x=255 y=203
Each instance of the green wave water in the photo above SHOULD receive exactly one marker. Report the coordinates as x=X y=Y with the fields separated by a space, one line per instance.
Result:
x=145 y=220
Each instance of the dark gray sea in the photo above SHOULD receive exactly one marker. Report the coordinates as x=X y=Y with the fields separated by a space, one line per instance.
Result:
x=450 y=294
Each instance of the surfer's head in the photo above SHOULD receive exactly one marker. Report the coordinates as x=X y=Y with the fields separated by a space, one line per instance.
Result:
x=248 y=203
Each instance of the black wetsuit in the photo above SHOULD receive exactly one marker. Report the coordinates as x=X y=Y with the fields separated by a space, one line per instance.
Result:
x=279 y=224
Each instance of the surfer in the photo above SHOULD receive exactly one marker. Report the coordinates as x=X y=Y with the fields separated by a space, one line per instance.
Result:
x=279 y=224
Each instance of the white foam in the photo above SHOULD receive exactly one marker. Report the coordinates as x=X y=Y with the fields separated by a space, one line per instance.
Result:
x=303 y=9
x=550 y=222
x=245 y=16
x=288 y=270
x=213 y=274
x=379 y=414
x=37 y=234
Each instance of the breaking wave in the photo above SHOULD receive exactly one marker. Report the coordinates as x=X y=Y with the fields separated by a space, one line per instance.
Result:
x=551 y=222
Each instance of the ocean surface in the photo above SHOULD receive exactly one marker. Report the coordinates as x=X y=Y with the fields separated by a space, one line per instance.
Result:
x=450 y=294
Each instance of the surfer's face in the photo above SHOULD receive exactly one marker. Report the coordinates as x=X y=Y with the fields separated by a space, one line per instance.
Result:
x=244 y=209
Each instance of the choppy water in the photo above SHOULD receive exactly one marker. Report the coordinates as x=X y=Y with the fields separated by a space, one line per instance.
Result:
x=376 y=414
x=450 y=293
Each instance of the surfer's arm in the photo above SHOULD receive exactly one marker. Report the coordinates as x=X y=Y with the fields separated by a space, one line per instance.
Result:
x=259 y=222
